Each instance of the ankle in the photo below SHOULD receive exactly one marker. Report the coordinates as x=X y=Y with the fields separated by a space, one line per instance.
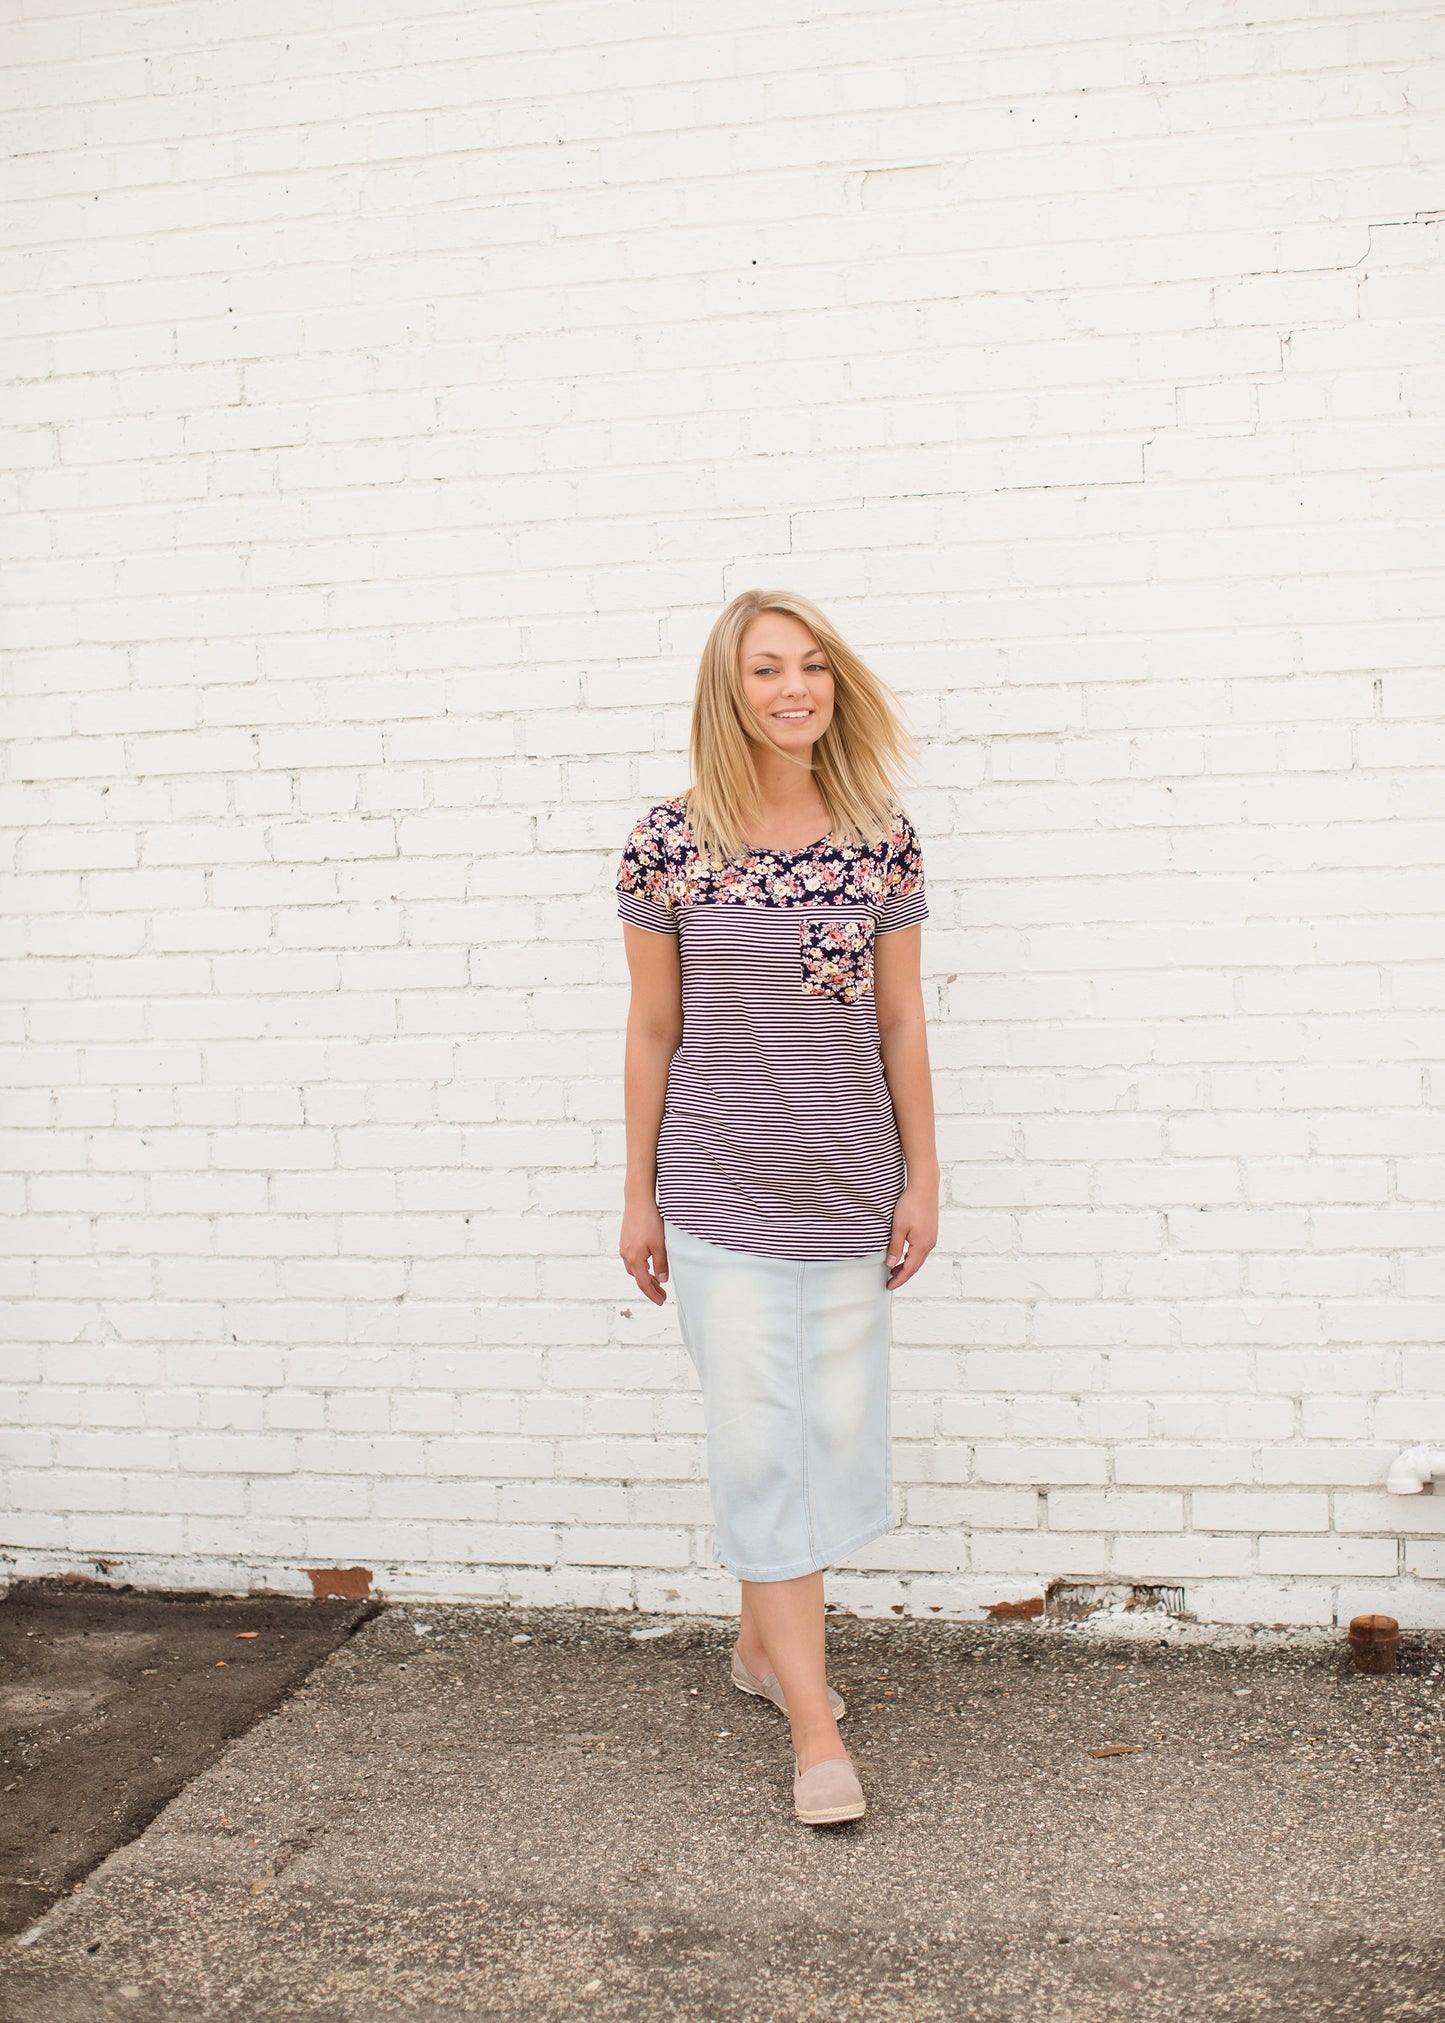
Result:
x=815 y=1740
x=812 y=1721
x=753 y=1656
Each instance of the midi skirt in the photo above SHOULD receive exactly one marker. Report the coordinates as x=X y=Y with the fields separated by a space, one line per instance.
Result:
x=792 y=1355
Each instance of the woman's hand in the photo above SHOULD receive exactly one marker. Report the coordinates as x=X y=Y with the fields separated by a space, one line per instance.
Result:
x=915 y=1224
x=654 y=1033
x=643 y=1248
x=903 y=1036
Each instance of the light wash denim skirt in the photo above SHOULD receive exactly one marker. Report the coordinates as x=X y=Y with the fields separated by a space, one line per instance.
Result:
x=792 y=1355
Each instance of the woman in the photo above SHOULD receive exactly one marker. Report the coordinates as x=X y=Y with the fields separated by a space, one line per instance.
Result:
x=780 y=1147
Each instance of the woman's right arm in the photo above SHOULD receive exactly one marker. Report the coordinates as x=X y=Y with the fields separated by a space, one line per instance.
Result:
x=654 y=1032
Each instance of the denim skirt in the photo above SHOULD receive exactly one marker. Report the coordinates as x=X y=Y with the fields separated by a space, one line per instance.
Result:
x=792 y=1355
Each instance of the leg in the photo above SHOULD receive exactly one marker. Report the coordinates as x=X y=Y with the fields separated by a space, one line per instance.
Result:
x=783 y=1621
x=751 y=1648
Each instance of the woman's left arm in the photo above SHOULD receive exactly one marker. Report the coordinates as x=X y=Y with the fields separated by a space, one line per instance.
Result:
x=903 y=1034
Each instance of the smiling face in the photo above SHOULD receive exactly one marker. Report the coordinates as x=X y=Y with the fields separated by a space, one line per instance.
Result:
x=786 y=680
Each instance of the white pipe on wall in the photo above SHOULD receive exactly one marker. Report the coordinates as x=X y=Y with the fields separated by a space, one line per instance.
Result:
x=1412 y=1468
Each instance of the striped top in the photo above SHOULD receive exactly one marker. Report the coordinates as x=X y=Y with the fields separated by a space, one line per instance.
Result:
x=778 y=1135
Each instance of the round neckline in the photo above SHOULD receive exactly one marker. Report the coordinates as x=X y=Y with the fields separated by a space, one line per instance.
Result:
x=760 y=850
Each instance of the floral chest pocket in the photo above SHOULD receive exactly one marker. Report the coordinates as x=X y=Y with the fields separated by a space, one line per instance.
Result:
x=837 y=958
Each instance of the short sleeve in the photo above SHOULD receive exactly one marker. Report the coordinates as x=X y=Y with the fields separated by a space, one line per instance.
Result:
x=642 y=878
x=904 y=903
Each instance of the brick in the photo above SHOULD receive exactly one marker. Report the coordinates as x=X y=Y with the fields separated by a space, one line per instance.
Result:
x=54 y=1489
x=119 y=1533
x=1180 y=1465
x=1251 y=1510
x=450 y=1501
x=1276 y=1602
x=243 y=1454
x=1048 y=1556
x=1106 y=1510
x=631 y=1546
x=1300 y=1372
x=1181 y=1369
x=1406 y=1421
x=1405 y=1599
x=1329 y=1462
x=562 y=1502
x=1223 y=1418
x=993 y=1509
x=217 y=1496
x=307 y=1496
x=1374 y=1510
x=1134 y=1557
x=1327 y=1556
x=628 y=1460
x=497 y=1458
x=1040 y=1465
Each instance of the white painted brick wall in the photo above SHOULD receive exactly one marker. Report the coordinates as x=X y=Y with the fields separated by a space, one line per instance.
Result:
x=392 y=398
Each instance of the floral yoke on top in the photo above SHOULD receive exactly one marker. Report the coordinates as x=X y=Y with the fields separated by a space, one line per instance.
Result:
x=844 y=894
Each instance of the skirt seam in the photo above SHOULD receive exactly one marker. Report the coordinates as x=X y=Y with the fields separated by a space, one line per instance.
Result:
x=807 y=1483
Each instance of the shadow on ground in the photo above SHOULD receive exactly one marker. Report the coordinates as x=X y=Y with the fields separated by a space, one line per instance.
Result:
x=469 y=1813
x=111 y=1701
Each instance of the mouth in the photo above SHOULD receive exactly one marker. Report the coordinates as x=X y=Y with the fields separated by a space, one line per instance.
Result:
x=791 y=716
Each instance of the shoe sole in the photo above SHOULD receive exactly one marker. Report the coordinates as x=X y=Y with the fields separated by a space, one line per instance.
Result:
x=753 y=1694
x=837 y=1814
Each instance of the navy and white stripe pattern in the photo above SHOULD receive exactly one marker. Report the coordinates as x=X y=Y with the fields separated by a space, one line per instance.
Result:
x=778 y=1135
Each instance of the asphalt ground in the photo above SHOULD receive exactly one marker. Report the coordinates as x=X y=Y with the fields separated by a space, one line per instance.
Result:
x=468 y=1813
x=111 y=1701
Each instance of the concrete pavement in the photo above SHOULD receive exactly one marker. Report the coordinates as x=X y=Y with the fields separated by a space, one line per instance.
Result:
x=449 y=1821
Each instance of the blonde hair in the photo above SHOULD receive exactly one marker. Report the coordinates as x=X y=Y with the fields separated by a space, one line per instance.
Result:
x=858 y=762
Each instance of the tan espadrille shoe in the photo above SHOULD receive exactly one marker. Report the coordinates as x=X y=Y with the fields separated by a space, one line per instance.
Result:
x=828 y=1793
x=769 y=1689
